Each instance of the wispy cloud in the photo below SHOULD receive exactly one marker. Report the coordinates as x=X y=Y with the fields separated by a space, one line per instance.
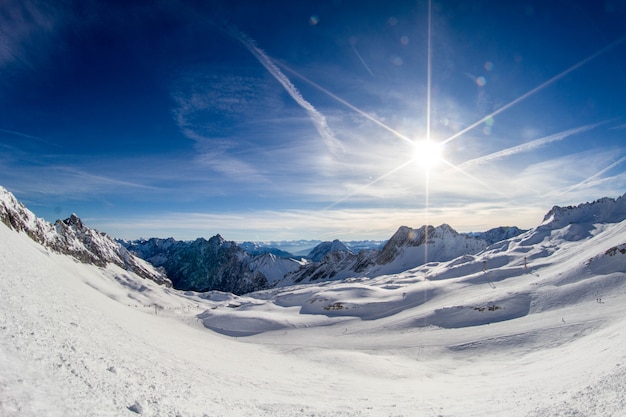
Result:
x=211 y=101
x=20 y=23
x=318 y=119
x=234 y=169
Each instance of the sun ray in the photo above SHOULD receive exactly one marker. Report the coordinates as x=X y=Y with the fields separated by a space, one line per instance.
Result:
x=347 y=104
x=428 y=113
x=470 y=176
x=539 y=87
x=428 y=71
x=478 y=180
x=369 y=184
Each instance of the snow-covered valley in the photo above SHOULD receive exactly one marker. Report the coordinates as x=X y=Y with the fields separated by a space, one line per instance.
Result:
x=531 y=326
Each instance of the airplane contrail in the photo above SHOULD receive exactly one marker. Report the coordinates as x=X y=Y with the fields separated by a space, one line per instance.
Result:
x=528 y=146
x=318 y=119
x=23 y=135
x=362 y=61
x=596 y=175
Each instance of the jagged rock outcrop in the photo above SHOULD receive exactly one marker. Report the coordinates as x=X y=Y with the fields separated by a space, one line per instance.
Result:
x=202 y=265
x=72 y=237
x=498 y=234
x=334 y=265
x=604 y=210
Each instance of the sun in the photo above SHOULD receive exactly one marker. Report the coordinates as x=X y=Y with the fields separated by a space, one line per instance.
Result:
x=427 y=153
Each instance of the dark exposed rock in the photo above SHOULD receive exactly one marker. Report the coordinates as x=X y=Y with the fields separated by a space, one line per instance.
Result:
x=202 y=265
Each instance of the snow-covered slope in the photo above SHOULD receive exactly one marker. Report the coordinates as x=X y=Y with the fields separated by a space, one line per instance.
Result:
x=274 y=268
x=532 y=326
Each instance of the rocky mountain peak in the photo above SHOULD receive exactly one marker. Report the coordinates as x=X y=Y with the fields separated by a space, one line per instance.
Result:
x=74 y=221
x=604 y=210
x=444 y=237
x=71 y=237
x=325 y=248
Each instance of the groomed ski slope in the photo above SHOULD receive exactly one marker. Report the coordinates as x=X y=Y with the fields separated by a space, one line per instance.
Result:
x=480 y=335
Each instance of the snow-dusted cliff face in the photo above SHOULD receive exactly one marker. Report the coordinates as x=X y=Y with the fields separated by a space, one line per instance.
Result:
x=440 y=243
x=498 y=234
x=202 y=265
x=273 y=267
x=72 y=237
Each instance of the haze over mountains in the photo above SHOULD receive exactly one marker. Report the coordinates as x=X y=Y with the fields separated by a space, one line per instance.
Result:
x=532 y=325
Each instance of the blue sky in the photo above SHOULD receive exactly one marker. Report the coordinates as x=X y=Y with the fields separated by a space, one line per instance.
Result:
x=287 y=120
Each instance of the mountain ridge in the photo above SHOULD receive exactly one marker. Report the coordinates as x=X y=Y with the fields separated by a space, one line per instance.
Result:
x=72 y=237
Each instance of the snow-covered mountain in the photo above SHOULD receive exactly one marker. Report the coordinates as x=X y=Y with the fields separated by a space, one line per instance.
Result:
x=604 y=210
x=324 y=248
x=532 y=326
x=302 y=248
x=274 y=268
x=409 y=248
x=72 y=237
x=406 y=249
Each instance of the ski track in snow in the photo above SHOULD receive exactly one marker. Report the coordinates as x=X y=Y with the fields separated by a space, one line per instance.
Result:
x=448 y=339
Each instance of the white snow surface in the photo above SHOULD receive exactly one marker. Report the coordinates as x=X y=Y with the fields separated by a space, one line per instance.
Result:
x=532 y=326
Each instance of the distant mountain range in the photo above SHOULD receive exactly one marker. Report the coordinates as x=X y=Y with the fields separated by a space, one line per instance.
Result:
x=217 y=264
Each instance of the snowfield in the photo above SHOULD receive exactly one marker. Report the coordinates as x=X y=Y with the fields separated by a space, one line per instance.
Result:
x=531 y=326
